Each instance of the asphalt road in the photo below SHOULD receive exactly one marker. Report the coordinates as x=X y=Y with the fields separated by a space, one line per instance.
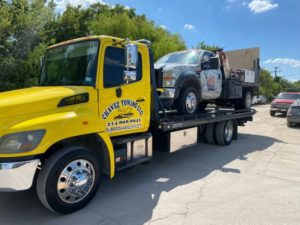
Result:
x=255 y=180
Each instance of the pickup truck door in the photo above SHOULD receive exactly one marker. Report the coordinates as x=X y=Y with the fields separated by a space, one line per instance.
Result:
x=124 y=108
x=211 y=79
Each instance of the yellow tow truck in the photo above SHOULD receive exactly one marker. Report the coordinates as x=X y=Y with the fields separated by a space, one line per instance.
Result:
x=95 y=111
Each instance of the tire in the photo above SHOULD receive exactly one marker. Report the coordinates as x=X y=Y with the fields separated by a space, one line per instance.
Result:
x=55 y=180
x=272 y=113
x=289 y=124
x=188 y=101
x=210 y=133
x=224 y=132
x=245 y=102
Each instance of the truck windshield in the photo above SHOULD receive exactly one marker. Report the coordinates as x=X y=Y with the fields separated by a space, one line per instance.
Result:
x=190 y=57
x=288 y=96
x=71 y=64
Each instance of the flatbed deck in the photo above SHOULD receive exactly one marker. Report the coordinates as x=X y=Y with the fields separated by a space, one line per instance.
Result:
x=175 y=122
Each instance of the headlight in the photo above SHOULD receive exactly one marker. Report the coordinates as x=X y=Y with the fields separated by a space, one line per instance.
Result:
x=21 y=142
x=169 y=79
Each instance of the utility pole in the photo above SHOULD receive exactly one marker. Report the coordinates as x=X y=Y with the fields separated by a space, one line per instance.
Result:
x=277 y=70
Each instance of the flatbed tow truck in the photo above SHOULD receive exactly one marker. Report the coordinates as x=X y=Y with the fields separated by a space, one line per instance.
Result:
x=96 y=111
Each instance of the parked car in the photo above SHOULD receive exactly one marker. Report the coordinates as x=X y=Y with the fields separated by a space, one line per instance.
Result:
x=261 y=99
x=255 y=100
x=282 y=102
x=293 y=114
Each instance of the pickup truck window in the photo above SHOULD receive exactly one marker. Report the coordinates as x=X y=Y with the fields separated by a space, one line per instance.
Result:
x=114 y=66
x=71 y=64
x=207 y=55
x=190 y=57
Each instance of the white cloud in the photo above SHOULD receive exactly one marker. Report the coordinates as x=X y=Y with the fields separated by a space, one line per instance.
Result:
x=163 y=27
x=189 y=27
x=259 y=6
x=284 y=61
x=62 y=4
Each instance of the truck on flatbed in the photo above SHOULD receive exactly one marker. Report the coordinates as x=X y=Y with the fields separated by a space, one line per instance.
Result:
x=95 y=111
x=191 y=79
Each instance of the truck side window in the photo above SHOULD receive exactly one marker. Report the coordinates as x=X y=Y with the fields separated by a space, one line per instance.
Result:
x=114 y=66
x=207 y=54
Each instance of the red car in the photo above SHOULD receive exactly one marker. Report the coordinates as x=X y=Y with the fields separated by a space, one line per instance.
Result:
x=283 y=102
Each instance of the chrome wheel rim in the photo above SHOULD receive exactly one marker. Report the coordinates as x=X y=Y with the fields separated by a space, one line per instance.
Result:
x=76 y=181
x=191 y=102
x=228 y=131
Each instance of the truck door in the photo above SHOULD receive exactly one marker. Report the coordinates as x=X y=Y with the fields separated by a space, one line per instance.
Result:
x=211 y=79
x=124 y=107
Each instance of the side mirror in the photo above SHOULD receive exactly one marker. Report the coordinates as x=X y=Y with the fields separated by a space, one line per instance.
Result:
x=129 y=76
x=131 y=56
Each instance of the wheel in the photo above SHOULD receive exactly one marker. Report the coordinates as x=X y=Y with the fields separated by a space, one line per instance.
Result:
x=69 y=179
x=210 y=133
x=272 y=113
x=224 y=132
x=245 y=102
x=188 y=101
x=289 y=124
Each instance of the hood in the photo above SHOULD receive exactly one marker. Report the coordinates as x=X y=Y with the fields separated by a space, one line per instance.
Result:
x=287 y=101
x=178 y=68
x=36 y=99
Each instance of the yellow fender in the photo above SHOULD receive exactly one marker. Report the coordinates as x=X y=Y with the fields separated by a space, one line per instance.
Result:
x=106 y=139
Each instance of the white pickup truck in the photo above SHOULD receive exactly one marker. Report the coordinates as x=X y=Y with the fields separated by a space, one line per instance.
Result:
x=190 y=79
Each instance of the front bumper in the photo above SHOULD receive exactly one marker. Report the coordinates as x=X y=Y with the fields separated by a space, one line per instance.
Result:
x=283 y=110
x=167 y=96
x=17 y=176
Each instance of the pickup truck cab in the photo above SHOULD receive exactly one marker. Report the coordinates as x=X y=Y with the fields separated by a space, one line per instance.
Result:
x=190 y=79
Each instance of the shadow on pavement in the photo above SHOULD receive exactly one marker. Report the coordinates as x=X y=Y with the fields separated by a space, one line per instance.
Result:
x=133 y=194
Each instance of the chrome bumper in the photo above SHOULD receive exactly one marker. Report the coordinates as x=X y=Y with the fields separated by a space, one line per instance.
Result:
x=17 y=176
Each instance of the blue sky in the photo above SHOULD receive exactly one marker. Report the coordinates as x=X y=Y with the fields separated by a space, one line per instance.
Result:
x=272 y=25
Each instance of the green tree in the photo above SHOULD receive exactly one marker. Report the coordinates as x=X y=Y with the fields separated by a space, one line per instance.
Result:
x=21 y=41
x=204 y=46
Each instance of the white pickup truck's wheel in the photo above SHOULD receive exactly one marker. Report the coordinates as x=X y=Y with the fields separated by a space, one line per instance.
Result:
x=224 y=132
x=188 y=101
x=246 y=101
x=69 y=179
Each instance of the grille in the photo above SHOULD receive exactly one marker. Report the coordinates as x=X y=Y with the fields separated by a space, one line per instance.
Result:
x=281 y=105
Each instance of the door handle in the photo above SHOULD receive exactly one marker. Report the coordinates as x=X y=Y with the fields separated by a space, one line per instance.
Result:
x=140 y=100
